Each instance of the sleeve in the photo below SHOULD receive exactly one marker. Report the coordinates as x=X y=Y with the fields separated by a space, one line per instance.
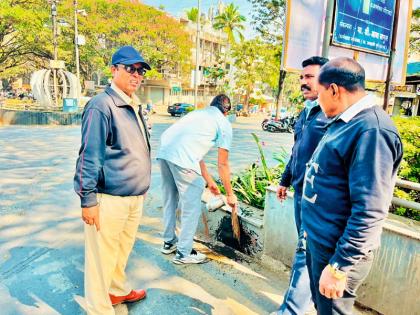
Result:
x=91 y=156
x=286 y=176
x=372 y=174
x=224 y=136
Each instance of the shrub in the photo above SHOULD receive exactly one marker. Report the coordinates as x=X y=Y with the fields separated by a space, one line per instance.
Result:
x=409 y=129
x=250 y=185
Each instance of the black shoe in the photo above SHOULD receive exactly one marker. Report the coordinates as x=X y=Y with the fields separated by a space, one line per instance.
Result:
x=168 y=248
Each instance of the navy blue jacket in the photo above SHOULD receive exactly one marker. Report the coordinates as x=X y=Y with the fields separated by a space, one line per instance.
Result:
x=114 y=157
x=308 y=133
x=349 y=185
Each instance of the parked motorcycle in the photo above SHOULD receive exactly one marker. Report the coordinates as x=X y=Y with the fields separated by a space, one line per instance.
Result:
x=282 y=125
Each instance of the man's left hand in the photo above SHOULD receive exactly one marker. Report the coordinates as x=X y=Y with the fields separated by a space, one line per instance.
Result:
x=330 y=286
x=212 y=186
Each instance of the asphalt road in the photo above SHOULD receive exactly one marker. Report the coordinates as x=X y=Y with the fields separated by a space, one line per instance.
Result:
x=41 y=239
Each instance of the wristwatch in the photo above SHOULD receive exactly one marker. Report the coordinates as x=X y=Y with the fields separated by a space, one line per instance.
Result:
x=337 y=273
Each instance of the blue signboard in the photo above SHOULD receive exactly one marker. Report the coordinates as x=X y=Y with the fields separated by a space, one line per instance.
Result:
x=364 y=25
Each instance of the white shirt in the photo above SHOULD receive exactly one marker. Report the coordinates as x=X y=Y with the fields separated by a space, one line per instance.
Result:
x=186 y=142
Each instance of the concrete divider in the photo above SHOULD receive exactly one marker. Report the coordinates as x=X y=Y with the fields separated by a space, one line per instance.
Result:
x=17 y=117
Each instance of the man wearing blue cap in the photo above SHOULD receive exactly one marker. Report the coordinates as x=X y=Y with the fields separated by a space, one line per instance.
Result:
x=112 y=176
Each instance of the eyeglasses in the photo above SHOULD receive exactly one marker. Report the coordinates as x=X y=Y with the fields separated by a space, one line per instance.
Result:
x=131 y=69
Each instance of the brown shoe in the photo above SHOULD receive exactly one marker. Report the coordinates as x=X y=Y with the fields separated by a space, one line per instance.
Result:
x=133 y=296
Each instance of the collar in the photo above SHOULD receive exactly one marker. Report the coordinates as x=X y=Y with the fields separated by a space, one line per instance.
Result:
x=309 y=105
x=133 y=100
x=362 y=104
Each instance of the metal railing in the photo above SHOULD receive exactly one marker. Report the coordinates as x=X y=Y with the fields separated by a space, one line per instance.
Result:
x=406 y=203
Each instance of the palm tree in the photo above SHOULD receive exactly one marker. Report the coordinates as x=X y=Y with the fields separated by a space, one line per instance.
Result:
x=230 y=21
x=192 y=14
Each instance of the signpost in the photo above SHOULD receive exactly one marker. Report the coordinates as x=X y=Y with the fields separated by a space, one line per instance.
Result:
x=362 y=29
x=365 y=25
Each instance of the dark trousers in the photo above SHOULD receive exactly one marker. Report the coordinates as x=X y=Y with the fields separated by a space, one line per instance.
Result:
x=317 y=258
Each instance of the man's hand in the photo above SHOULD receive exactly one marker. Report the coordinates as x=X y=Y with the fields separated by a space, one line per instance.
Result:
x=212 y=186
x=231 y=200
x=330 y=286
x=282 y=193
x=91 y=216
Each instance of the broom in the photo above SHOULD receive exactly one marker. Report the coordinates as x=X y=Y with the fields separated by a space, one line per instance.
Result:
x=235 y=224
x=234 y=218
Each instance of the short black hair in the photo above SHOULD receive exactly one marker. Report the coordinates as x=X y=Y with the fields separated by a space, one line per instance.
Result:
x=344 y=72
x=314 y=60
x=222 y=102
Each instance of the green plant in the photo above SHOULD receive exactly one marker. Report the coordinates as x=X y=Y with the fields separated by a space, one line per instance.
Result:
x=409 y=129
x=250 y=185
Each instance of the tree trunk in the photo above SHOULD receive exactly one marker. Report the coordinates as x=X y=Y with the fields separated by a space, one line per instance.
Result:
x=282 y=76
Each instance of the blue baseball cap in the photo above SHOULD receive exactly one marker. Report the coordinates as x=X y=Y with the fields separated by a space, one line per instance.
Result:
x=128 y=55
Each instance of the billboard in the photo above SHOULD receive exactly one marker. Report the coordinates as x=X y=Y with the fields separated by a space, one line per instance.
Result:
x=364 y=25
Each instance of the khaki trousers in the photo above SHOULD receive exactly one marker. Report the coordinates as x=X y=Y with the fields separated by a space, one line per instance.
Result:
x=107 y=251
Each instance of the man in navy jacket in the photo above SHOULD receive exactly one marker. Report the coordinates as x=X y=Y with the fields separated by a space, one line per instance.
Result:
x=309 y=129
x=112 y=176
x=348 y=187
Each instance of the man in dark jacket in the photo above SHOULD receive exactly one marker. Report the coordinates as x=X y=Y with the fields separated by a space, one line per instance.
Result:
x=348 y=187
x=309 y=129
x=112 y=176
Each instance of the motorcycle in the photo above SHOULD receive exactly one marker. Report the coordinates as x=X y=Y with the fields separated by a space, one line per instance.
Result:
x=282 y=125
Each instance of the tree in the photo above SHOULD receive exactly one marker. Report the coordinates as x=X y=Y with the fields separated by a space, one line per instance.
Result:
x=160 y=38
x=269 y=18
x=255 y=63
x=23 y=36
x=415 y=33
x=192 y=14
x=231 y=22
x=26 y=35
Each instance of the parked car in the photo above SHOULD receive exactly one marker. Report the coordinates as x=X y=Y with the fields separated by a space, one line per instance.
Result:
x=180 y=109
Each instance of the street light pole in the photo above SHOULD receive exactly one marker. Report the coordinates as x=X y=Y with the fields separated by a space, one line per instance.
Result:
x=76 y=47
x=55 y=35
x=197 y=56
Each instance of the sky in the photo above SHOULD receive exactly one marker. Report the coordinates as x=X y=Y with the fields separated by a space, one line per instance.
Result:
x=177 y=7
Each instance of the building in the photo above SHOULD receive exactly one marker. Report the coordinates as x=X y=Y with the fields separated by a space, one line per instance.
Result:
x=177 y=86
x=406 y=98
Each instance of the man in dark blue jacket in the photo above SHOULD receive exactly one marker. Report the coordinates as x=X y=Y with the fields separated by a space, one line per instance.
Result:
x=309 y=129
x=112 y=176
x=348 y=187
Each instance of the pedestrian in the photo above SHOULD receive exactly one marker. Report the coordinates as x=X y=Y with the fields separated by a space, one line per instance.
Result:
x=184 y=173
x=309 y=129
x=348 y=186
x=113 y=174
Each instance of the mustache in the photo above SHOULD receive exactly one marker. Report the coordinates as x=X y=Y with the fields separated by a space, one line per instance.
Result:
x=305 y=87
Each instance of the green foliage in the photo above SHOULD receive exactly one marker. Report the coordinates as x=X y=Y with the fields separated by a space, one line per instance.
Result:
x=409 y=129
x=255 y=61
x=231 y=22
x=269 y=17
x=250 y=185
x=192 y=14
x=23 y=36
x=108 y=25
x=414 y=46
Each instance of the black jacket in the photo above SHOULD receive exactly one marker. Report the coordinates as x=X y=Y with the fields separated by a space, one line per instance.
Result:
x=114 y=157
x=308 y=133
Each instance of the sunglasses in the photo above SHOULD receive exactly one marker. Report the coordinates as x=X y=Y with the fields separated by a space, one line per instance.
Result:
x=131 y=69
